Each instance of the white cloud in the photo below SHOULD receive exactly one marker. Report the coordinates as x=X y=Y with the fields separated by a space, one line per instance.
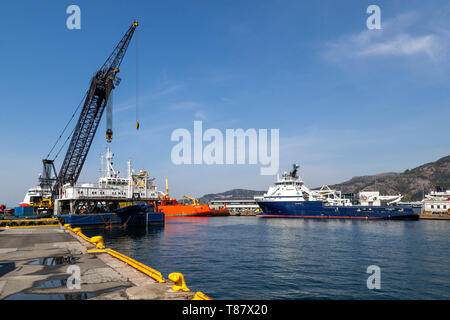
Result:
x=394 y=39
x=403 y=44
x=200 y=115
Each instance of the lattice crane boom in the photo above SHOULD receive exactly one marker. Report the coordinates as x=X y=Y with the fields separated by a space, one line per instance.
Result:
x=103 y=82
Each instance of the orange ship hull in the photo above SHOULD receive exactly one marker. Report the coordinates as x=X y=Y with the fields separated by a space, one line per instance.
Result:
x=181 y=210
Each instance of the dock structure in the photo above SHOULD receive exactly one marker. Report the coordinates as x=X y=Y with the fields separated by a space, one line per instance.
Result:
x=443 y=216
x=236 y=206
x=58 y=262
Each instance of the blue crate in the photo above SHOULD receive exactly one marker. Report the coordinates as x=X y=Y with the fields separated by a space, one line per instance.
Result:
x=23 y=211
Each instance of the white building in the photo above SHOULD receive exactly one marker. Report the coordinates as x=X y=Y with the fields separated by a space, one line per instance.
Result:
x=437 y=202
x=234 y=205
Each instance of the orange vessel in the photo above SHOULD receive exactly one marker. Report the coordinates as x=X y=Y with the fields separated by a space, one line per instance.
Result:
x=172 y=208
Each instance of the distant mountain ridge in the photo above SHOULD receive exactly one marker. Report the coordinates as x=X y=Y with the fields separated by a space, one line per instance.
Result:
x=412 y=184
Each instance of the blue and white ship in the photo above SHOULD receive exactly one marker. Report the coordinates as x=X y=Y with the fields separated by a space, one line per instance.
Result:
x=290 y=198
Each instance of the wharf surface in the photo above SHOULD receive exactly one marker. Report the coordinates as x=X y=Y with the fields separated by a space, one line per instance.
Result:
x=34 y=263
x=242 y=213
x=435 y=216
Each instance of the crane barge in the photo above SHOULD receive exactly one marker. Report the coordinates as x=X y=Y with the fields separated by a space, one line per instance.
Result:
x=58 y=193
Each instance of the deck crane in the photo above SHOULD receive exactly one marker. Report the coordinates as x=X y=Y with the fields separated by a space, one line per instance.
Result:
x=97 y=98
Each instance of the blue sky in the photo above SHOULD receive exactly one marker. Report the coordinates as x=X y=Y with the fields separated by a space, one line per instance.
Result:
x=348 y=101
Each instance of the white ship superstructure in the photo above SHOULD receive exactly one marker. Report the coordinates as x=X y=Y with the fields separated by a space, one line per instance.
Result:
x=292 y=188
x=44 y=189
x=437 y=202
x=111 y=189
x=35 y=195
x=373 y=198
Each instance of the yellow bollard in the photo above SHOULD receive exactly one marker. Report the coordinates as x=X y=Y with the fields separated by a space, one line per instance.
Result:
x=201 y=296
x=180 y=284
x=76 y=230
x=98 y=241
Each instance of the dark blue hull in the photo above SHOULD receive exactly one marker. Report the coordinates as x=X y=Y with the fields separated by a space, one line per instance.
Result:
x=316 y=209
x=134 y=215
x=97 y=219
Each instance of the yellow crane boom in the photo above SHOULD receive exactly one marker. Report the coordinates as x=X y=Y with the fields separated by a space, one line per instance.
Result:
x=195 y=201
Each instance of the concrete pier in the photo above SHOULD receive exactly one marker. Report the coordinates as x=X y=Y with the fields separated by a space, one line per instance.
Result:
x=38 y=263
x=243 y=213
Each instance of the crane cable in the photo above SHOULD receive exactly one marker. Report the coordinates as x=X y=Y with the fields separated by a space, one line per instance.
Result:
x=79 y=105
x=64 y=130
x=137 y=92
x=68 y=137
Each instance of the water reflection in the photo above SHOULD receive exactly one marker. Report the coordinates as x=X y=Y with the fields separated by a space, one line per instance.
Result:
x=6 y=267
x=252 y=258
x=130 y=232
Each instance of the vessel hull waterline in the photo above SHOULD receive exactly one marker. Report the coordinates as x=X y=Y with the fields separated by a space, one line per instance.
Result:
x=316 y=210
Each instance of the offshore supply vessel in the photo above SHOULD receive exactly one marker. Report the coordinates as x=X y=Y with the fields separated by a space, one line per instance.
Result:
x=290 y=198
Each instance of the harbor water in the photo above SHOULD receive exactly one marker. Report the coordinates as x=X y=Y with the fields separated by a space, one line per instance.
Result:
x=256 y=258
